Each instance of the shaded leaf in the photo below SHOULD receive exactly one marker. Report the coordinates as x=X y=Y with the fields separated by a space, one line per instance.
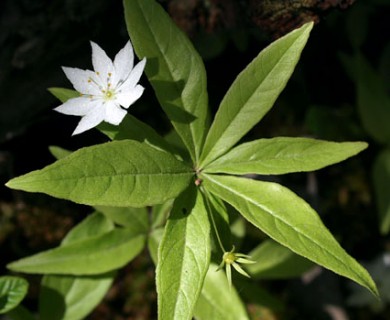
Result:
x=92 y=226
x=20 y=313
x=59 y=152
x=66 y=297
x=373 y=101
x=12 y=291
x=134 y=219
x=64 y=94
x=96 y=255
x=274 y=261
x=134 y=129
x=381 y=179
x=218 y=301
x=154 y=240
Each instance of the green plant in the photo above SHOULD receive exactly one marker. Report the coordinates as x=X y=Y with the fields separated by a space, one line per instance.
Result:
x=139 y=169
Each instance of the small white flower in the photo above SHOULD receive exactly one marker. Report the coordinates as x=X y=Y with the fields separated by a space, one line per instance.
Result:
x=103 y=91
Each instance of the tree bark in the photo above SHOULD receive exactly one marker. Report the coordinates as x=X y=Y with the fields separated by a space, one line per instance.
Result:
x=272 y=17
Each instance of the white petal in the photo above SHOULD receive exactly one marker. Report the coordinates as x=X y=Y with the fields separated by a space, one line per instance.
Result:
x=79 y=79
x=102 y=64
x=127 y=98
x=123 y=63
x=134 y=76
x=90 y=120
x=76 y=106
x=114 y=114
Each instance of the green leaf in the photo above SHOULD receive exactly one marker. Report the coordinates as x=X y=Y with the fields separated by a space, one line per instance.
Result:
x=254 y=92
x=218 y=301
x=92 y=226
x=72 y=298
x=160 y=213
x=103 y=253
x=174 y=69
x=274 y=261
x=222 y=241
x=58 y=152
x=118 y=173
x=283 y=155
x=20 y=313
x=183 y=257
x=135 y=219
x=63 y=94
x=381 y=179
x=134 y=129
x=289 y=220
x=154 y=240
x=12 y=291
x=258 y=297
x=65 y=297
x=373 y=101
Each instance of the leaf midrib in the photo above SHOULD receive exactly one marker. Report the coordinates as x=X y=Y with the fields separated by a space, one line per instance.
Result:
x=286 y=223
x=206 y=160
x=170 y=67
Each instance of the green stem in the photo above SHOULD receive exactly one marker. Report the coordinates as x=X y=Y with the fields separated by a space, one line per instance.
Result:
x=209 y=207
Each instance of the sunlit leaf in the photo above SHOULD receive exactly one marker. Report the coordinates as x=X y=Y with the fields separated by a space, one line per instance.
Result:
x=254 y=92
x=289 y=220
x=174 y=69
x=118 y=173
x=283 y=155
x=183 y=257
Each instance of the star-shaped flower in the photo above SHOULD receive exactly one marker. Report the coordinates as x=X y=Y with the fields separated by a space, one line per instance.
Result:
x=231 y=258
x=105 y=91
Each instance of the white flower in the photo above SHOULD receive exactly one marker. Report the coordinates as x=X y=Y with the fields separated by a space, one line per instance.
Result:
x=104 y=90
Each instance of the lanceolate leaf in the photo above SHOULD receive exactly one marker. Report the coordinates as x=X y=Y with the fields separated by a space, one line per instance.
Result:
x=134 y=129
x=274 y=261
x=118 y=173
x=12 y=291
x=96 y=255
x=58 y=152
x=283 y=155
x=218 y=301
x=135 y=219
x=63 y=94
x=289 y=220
x=173 y=67
x=381 y=178
x=373 y=101
x=70 y=297
x=253 y=93
x=92 y=226
x=65 y=297
x=183 y=257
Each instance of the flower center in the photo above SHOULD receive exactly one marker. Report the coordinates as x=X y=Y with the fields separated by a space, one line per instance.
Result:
x=109 y=94
x=229 y=257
